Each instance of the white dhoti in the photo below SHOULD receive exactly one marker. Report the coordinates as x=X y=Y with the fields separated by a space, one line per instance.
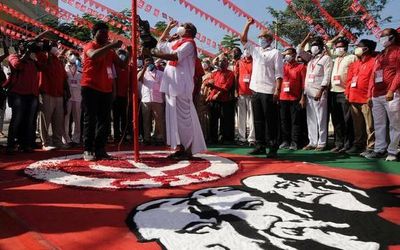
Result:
x=182 y=124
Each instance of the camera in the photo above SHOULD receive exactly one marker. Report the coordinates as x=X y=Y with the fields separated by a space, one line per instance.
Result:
x=146 y=39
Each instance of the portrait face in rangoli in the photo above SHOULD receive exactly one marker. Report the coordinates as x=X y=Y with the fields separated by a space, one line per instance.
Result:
x=268 y=212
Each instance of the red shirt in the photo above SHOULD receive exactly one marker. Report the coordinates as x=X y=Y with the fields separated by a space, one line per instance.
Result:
x=24 y=77
x=358 y=77
x=294 y=75
x=388 y=61
x=243 y=69
x=123 y=77
x=53 y=76
x=98 y=73
x=223 y=83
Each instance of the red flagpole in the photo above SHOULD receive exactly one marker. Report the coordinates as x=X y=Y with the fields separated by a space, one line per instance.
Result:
x=135 y=84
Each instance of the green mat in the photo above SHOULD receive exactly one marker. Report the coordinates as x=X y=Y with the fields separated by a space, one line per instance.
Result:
x=324 y=158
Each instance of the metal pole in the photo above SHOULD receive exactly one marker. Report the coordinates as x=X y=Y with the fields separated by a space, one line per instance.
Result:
x=135 y=84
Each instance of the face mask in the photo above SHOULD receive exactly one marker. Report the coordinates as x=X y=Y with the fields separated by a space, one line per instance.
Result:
x=358 y=51
x=122 y=57
x=54 y=50
x=246 y=53
x=151 y=67
x=72 y=59
x=385 y=41
x=181 y=31
x=204 y=65
x=314 y=50
x=288 y=58
x=263 y=42
x=339 y=51
x=139 y=63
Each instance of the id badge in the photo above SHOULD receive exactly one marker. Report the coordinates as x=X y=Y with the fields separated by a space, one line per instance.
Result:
x=336 y=80
x=109 y=73
x=286 y=87
x=74 y=82
x=354 y=82
x=379 y=76
x=311 y=78
x=246 y=78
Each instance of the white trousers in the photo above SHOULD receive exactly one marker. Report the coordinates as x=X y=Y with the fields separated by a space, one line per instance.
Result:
x=51 y=112
x=381 y=111
x=317 y=120
x=73 y=108
x=245 y=119
x=182 y=124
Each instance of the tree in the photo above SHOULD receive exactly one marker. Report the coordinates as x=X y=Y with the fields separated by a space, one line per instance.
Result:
x=291 y=28
x=230 y=41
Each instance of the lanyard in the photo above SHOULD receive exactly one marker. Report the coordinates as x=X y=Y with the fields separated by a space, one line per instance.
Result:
x=338 y=64
x=315 y=64
x=72 y=72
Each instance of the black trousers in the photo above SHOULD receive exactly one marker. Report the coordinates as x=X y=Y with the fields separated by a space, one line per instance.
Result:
x=291 y=121
x=96 y=106
x=341 y=120
x=266 y=120
x=224 y=113
x=120 y=116
x=23 y=120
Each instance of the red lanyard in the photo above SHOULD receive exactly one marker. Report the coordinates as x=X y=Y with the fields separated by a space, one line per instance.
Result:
x=315 y=64
x=72 y=72
x=338 y=64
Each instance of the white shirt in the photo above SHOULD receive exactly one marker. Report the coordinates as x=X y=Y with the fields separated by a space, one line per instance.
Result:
x=74 y=78
x=178 y=81
x=339 y=72
x=150 y=87
x=318 y=74
x=267 y=68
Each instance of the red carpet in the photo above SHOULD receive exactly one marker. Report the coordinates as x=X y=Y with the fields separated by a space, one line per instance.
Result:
x=41 y=215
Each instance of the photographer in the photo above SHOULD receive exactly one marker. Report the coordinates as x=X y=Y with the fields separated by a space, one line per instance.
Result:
x=97 y=86
x=23 y=96
x=3 y=78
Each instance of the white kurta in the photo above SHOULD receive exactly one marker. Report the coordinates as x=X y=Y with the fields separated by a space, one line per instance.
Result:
x=182 y=123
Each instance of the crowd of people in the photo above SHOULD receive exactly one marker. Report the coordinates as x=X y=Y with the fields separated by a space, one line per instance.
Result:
x=256 y=96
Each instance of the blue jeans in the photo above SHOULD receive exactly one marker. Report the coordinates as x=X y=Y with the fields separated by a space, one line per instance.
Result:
x=23 y=120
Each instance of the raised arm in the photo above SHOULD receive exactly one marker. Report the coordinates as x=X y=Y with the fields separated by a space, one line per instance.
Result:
x=96 y=53
x=243 y=36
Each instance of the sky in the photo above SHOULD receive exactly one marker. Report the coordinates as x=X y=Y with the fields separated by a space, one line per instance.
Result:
x=215 y=8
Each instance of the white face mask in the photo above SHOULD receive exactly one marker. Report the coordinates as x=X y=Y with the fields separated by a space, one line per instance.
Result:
x=72 y=59
x=385 y=41
x=314 y=50
x=181 y=31
x=122 y=57
x=340 y=51
x=204 y=65
x=246 y=53
x=263 y=42
x=54 y=51
x=358 y=51
x=289 y=58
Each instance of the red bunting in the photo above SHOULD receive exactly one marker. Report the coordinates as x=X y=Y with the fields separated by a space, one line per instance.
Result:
x=237 y=10
x=29 y=20
x=332 y=21
x=309 y=20
x=369 y=20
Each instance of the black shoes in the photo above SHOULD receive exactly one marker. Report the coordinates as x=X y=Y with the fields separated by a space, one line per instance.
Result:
x=257 y=151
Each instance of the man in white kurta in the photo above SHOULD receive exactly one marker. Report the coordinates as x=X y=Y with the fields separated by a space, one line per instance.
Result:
x=183 y=128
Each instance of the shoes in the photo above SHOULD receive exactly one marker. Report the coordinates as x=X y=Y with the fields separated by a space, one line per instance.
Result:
x=284 y=145
x=88 y=156
x=241 y=143
x=2 y=135
x=293 y=146
x=309 y=147
x=272 y=154
x=180 y=155
x=10 y=150
x=391 y=157
x=375 y=155
x=354 y=151
x=48 y=148
x=363 y=154
x=320 y=148
x=257 y=151
x=102 y=155
x=252 y=144
x=336 y=149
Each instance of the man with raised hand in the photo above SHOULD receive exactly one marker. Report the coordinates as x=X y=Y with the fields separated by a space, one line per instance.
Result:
x=182 y=123
x=266 y=83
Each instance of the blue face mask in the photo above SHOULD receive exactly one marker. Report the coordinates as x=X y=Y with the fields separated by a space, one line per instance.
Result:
x=151 y=67
x=263 y=42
